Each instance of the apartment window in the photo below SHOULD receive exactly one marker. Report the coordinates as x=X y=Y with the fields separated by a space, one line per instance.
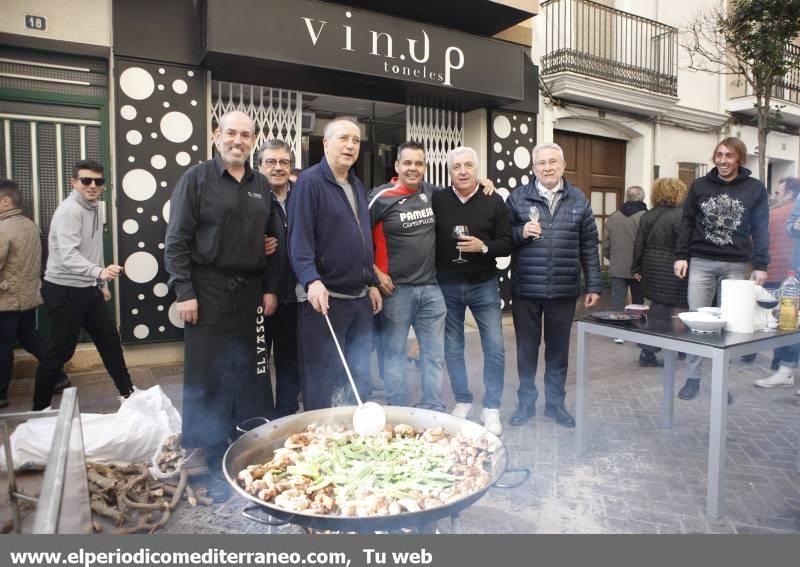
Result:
x=688 y=172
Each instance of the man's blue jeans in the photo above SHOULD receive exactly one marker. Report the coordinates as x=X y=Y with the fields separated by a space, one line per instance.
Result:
x=483 y=299
x=420 y=306
x=705 y=282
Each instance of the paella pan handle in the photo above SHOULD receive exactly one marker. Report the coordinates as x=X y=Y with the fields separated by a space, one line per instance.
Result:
x=260 y=518
x=526 y=474
x=249 y=424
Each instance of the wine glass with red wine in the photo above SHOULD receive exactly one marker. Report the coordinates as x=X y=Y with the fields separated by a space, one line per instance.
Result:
x=769 y=300
x=460 y=231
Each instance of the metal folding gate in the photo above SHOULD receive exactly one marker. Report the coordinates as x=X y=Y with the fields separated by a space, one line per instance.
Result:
x=439 y=131
x=277 y=112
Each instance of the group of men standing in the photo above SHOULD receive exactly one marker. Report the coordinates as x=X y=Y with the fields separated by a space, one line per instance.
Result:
x=242 y=245
x=258 y=263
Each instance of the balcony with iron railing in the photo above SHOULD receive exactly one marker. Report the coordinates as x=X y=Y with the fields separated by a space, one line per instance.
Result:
x=587 y=44
x=785 y=92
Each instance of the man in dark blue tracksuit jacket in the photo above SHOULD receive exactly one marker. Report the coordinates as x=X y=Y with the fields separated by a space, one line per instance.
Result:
x=330 y=249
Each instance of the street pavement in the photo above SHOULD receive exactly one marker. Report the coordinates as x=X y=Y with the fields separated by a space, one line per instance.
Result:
x=637 y=477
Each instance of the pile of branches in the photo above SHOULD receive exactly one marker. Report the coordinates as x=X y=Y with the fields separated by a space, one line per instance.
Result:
x=133 y=500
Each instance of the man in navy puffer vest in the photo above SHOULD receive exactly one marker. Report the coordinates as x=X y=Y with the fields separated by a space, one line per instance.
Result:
x=546 y=263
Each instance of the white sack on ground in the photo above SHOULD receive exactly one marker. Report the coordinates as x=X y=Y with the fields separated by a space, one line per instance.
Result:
x=132 y=434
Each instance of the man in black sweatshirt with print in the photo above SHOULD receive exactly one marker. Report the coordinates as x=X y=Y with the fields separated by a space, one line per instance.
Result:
x=725 y=231
x=468 y=278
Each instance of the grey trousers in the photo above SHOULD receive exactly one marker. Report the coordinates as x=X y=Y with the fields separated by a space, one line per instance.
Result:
x=705 y=283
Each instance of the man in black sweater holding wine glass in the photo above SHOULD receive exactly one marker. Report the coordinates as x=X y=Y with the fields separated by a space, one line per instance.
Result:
x=472 y=229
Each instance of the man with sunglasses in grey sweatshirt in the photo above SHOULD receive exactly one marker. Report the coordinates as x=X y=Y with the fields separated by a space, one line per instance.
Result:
x=75 y=286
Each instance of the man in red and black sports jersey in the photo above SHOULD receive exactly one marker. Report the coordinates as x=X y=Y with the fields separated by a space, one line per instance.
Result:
x=404 y=234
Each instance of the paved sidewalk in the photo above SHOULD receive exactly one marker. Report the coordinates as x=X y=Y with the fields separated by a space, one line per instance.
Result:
x=637 y=477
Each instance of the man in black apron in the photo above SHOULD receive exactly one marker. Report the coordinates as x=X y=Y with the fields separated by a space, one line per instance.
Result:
x=214 y=253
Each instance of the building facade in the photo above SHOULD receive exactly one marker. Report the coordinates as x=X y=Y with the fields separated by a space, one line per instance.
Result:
x=618 y=94
x=140 y=85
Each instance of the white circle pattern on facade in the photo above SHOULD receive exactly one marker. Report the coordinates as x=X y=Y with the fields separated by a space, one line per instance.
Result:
x=130 y=226
x=141 y=331
x=183 y=158
x=176 y=127
x=158 y=161
x=172 y=313
x=522 y=157
x=128 y=112
x=139 y=184
x=160 y=290
x=169 y=143
x=510 y=162
x=502 y=126
x=134 y=137
x=137 y=83
x=141 y=267
x=502 y=263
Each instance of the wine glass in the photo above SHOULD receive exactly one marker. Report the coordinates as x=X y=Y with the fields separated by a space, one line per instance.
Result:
x=769 y=299
x=533 y=214
x=459 y=231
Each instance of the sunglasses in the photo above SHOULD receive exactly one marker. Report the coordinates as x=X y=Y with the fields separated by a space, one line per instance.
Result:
x=98 y=181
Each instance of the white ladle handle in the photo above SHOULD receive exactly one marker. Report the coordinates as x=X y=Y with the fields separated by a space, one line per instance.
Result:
x=344 y=362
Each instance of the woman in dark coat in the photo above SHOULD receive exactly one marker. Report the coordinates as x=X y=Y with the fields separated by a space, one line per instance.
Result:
x=654 y=254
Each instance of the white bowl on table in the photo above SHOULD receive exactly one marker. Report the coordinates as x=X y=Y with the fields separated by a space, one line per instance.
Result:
x=702 y=322
x=717 y=311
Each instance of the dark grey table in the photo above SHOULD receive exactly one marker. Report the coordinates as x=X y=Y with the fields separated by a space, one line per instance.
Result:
x=662 y=329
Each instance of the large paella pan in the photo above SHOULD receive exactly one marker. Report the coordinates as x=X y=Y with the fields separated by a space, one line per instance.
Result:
x=258 y=446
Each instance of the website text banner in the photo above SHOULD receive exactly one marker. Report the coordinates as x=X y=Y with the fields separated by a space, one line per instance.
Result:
x=393 y=550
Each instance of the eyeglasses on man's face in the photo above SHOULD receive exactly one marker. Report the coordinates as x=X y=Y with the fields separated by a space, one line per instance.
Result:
x=284 y=163
x=548 y=163
x=87 y=181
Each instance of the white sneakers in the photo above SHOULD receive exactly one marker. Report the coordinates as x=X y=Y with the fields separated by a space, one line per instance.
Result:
x=462 y=410
x=491 y=420
x=489 y=417
x=783 y=378
x=619 y=341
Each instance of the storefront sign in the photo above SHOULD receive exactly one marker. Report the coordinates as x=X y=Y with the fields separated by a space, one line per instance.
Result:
x=333 y=36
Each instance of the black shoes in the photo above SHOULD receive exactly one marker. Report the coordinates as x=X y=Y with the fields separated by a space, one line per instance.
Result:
x=647 y=358
x=560 y=415
x=692 y=387
x=749 y=357
x=523 y=414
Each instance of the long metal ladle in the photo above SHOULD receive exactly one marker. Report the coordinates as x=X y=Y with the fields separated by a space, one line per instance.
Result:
x=369 y=418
